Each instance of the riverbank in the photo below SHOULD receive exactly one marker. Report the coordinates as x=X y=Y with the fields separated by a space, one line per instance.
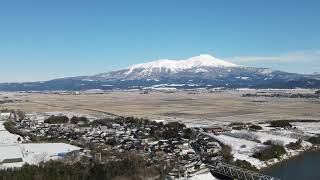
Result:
x=245 y=143
x=288 y=158
x=291 y=154
x=304 y=166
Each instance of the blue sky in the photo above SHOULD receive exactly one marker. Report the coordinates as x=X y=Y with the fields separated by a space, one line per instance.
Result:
x=42 y=40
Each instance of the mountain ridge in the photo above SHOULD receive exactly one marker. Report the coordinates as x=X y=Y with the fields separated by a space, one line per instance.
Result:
x=203 y=71
x=196 y=61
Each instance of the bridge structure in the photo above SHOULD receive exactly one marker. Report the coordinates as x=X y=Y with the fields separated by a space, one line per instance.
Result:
x=234 y=172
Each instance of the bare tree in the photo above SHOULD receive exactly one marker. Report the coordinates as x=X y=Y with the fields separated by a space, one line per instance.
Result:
x=21 y=115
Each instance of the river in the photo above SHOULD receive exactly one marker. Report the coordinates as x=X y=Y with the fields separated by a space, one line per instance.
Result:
x=304 y=167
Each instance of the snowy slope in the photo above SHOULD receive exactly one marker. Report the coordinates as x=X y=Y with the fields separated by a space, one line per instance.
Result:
x=196 y=72
x=181 y=65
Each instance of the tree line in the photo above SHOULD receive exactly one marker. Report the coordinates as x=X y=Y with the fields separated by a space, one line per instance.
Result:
x=130 y=168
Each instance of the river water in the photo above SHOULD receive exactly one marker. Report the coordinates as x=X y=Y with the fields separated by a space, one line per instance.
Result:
x=304 y=167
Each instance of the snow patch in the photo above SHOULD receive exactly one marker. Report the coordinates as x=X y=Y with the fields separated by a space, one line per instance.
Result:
x=179 y=65
x=242 y=78
x=266 y=71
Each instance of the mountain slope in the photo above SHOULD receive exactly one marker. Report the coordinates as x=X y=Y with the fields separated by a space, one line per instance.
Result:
x=199 y=71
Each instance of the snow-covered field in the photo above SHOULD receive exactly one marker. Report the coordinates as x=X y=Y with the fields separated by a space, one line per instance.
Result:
x=310 y=127
x=242 y=149
x=5 y=136
x=29 y=153
x=244 y=143
x=10 y=152
x=33 y=153
x=303 y=131
x=40 y=117
x=283 y=140
x=36 y=153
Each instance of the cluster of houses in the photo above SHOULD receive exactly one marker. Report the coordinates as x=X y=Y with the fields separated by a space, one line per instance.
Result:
x=178 y=154
x=284 y=95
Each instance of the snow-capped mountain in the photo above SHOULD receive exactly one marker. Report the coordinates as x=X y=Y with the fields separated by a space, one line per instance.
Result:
x=165 y=67
x=202 y=71
x=174 y=66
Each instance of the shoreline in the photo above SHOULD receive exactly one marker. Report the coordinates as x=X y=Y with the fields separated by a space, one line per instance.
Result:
x=312 y=149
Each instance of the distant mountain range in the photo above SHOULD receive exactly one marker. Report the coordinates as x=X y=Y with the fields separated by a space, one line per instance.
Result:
x=202 y=71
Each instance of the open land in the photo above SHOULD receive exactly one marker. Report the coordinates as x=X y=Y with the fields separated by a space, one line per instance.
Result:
x=246 y=127
x=200 y=108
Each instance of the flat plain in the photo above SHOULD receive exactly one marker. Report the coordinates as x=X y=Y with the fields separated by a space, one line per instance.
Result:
x=194 y=109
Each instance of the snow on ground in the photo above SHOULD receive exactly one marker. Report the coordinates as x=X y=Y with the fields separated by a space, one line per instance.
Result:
x=10 y=152
x=207 y=176
x=240 y=145
x=201 y=175
x=266 y=126
x=40 y=117
x=241 y=149
x=283 y=140
x=295 y=134
x=11 y=165
x=299 y=133
x=203 y=60
x=310 y=127
x=30 y=153
x=35 y=153
x=245 y=143
x=6 y=137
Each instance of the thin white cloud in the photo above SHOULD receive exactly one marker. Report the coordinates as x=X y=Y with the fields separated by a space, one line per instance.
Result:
x=312 y=56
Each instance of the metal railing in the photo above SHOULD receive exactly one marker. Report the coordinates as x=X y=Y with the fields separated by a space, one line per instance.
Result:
x=236 y=172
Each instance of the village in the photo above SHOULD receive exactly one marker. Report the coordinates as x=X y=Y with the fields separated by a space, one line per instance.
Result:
x=171 y=145
x=182 y=152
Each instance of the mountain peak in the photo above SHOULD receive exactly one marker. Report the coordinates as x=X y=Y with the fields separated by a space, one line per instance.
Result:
x=208 y=60
x=203 y=60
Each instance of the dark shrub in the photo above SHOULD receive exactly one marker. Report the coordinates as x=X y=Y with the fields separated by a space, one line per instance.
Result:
x=238 y=127
x=245 y=165
x=269 y=142
x=314 y=140
x=273 y=151
x=76 y=120
x=169 y=133
x=295 y=145
x=11 y=127
x=226 y=153
x=280 y=123
x=57 y=120
x=255 y=127
x=112 y=142
x=189 y=134
x=175 y=125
